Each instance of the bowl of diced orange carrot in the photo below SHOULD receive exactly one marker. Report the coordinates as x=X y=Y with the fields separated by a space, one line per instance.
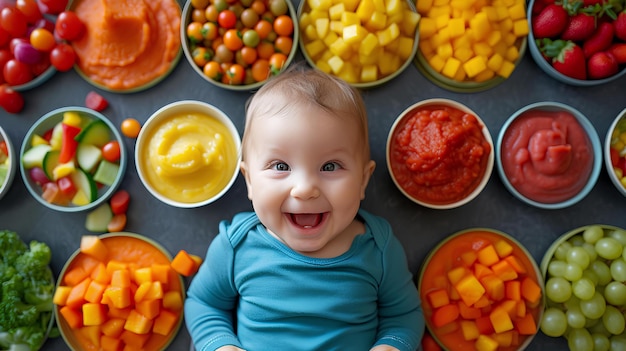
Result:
x=481 y=290
x=473 y=48
x=119 y=291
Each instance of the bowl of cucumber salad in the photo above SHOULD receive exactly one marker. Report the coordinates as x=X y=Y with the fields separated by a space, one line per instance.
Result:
x=72 y=159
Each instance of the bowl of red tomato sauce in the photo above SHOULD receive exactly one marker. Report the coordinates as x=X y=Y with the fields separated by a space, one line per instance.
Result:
x=481 y=290
x=549 y=155
x=440 y=153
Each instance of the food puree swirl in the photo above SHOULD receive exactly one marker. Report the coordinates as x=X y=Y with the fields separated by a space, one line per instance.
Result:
x=546 y=155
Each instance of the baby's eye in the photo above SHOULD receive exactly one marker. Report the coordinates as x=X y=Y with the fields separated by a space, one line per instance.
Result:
x=330 y=166
x=280 y=166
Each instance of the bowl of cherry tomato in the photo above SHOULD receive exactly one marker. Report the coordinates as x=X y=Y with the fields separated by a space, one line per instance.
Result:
x=7 y=163
x=615 y=152
x=238 y=45
x=72 y=159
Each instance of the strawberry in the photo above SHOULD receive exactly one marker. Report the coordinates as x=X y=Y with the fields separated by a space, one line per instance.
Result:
x=566 y=57
x=579 y=27
x=620 y=26
x=618 y=50
x=601 y=65
x=550 y=22
x=600 y=40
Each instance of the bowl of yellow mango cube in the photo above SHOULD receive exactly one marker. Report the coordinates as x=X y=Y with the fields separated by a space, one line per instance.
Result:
x=364 y=42
x=468 y=46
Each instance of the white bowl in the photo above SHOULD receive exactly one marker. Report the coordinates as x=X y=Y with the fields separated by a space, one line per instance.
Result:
x=620 y=183
x=154 y=157
x=470 y=191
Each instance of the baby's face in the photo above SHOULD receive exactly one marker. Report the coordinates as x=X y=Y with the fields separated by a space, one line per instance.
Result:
x=306 y=175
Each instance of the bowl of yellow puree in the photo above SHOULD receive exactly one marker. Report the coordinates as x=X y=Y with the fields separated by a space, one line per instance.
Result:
x=187 y=154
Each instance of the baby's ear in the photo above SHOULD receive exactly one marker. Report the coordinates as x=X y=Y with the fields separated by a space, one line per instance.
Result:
x=246 y=177
x=368 y=170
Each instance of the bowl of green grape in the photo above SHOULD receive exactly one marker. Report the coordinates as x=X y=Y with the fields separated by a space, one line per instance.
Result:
x=585 y=273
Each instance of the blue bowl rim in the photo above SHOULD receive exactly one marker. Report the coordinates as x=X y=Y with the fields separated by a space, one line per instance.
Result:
x=109 y=190
x=594 y=139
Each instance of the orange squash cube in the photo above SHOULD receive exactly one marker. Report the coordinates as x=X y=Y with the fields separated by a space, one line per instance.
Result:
x=503 y=248
x=468 y=258
x=484 y=325
x=455 y=274
x=60 y=295
x=468 y=312
x=141 y=291
x=531 y=291
x=94 y=292
x=118 y=296
x=74 y=276
x=100 y=274
x=92 y=245
x=155 y=291
x=149 y=308
x=138 y=323
x=480 y=270
x=513 y=290
x=109 y=343
x=500 y=320
x=143 y=274
x=516 y=264
x=485 y=343
x=76 y=297
x=504 y=339
x=184 y=264
x=74 y=318
x=161 y=272
x=488 y=255
x=470 y=289
x=504 y=270
x=113 y=327
x=92 y=334
x=172 y=300
x=164 y=324
x=469 y=330
x=120 y=278
x=134 y=341
x=94 y=314
x=494 y=286
x=445 y=315
x=438 y=298
x=114 y=265
x=526 y=325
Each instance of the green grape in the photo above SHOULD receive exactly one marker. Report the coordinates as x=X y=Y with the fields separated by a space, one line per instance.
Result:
x=579 y=256
x=556 y=268
x=618 y=270
x=583 y=288
x=618 y=342
x=603 y=272
x=561 y=251
x=600 y=342
x=558 y=289
x=591 y=275
x=576 y=240
x=575 y=318
x=599 y=328
x=619 y=235
x=591 y=251
x=573 y=272
x=609 y=248
x=590 y=323
x=615 y=293
x=593 y=234
x=573 y=302
x=553 y=322
x=594 y=307
x=613 y=320
x=579 y=340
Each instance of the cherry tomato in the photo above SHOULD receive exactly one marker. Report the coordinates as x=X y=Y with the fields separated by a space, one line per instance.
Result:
x=41 y=66
x=95 y=101
x=213 y=70
x=52 y=7
x=42 y=40
x=119 y=201
x=258 y=6
x=265 y=49
x=232 y=40
x=4 y=149
x=277 y=61
x=16 y=72
x=11 y=100
x=211 y=13
x=194 y=32
x=30 y=9
x=227 y=19
x=235 y=74
x=68 y=26
x=63 y=57
x=111 y=151
x=4 y=37
x=263 y=28
x=283 y=25
x=130 y=127
x=13 y=21
x=260 y=70
x=210 y=30
x=248 y=55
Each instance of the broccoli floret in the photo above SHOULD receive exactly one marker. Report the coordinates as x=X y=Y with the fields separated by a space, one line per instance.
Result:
x=14 y=312
x=11 y=246
x=22 y=339
x=35 y=260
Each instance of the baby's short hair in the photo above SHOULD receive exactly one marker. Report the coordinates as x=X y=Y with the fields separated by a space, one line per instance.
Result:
x=302 y=85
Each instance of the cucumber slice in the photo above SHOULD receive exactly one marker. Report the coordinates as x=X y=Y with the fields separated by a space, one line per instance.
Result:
x=50 y=161
x=98 y=219
x=88 y=156
x=96 y=133
x=84 y=182
x=34 y=156
x=4 y=170
x=57 y=136
x=106 y=172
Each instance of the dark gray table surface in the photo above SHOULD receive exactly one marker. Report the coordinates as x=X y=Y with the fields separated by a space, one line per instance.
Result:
x=418 y=228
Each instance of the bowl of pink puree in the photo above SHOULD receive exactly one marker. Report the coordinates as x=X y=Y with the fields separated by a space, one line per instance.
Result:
x=548 y=155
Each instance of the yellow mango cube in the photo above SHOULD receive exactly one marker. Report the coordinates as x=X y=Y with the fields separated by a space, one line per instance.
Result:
x=379 y=5
x=330 y=38
x=305 y=20
x=502 y=12
x=485 y=343
x=469 y=330
x=336 y=27
x=500 y=320
x=388 y=63
x=336 y=64
x=451 y=67
x=424 y=6
x=409 y=23
x=349 y=18
x=442 y=21
x=350 y=5
x=369 y=43
x=480 y=26
x=427 y=27
x=369 y=73
x=436 y=63
x=474 y=66
x=494 y=63
x=393 y=6
x=320 y=4
x=405 y=47
x=470 y=289
x=445 y=51
x=512 y=53
x=94 y=313
x=354 y=33
x=482 y=48
x=365 y=10
x=491 y=13
x=388 y=34
x=315 y=14
x=340 y=48
x=349 y=73
x=456 y=27
x=310 y=32
x=323 y=66
x=377 y=21
x=517 y=11
x=315 y=48
x=336 y=11
x=506 y=69
x=138 y=323
x=322 y=26
x=520 y=27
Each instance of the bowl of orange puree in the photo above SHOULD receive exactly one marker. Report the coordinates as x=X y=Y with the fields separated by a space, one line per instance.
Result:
x=128 y=45
x=439 y=153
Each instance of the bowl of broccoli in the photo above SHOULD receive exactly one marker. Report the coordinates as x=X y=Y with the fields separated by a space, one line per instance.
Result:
x=27 y=289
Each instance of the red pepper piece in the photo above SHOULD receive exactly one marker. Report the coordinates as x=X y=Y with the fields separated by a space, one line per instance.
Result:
x=68 y=144
x=67 y=186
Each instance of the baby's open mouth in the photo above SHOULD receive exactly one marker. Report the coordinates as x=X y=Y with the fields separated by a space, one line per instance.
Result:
x=307 y=220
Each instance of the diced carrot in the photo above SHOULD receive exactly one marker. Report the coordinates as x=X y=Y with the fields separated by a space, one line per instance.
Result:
x=485 y=343
x=133 y=340
x=94 y=314
x=516 y=264
x=445 y=314
x=503 y=248
x=172 y=300
x=92 y=245
x=120 y=278
x=92 y=334
x=438 y=298
x=488 y=255
x=99 y=274
x=468 y=312
x=470 y=289
x=520 y=308
x=504 y=270
x=60 y=295
x=113 y=327
x=531 y=291
x=161 y=272
x=184 y=264
x=149 y=308
x=94 y=292
x=137 y=323
x=510 y=306
x=456 y=274
x=500 y=320
x=469 y=330
x=494 y=286
x=76 y=296
x=74 y=276
x=526 y=325
x=73 y=317
x=164 y=324
x=468 y=258
x=513 y=290
x=480 y=270
x=484 y=325
x=109 y=343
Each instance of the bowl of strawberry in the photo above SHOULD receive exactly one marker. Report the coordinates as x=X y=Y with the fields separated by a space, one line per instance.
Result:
x=579 y=42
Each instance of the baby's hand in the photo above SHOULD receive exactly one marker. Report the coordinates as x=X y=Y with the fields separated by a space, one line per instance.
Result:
x=384 y=348
x=229 y=348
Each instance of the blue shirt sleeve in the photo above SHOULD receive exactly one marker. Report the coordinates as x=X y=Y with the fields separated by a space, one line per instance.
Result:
x=212 y=297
